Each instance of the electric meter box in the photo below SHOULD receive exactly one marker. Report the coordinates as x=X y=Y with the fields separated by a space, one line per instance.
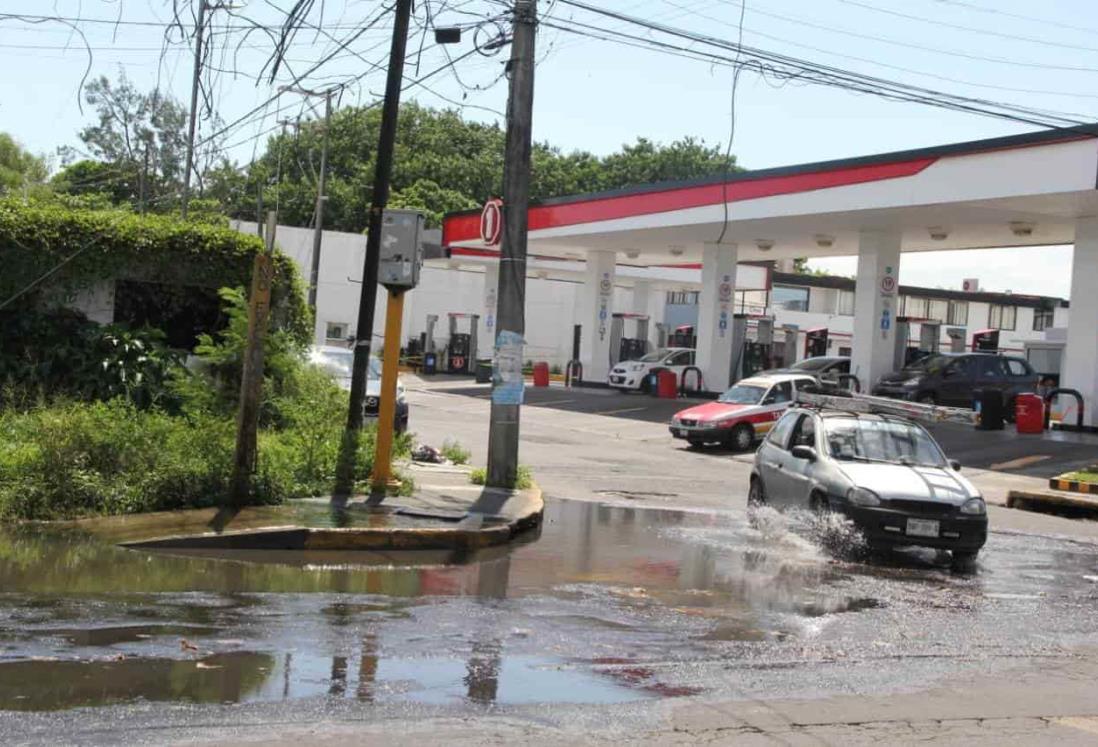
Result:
x=401 y=249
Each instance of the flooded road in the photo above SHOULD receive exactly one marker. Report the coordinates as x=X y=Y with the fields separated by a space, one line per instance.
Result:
x=609 y=605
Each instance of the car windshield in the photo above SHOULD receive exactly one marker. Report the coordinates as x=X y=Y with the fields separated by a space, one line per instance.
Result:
x=931 y=364
x=743 y=394
x=653 y=357
x=339 y=363
x=873 y=440
x=812 y=364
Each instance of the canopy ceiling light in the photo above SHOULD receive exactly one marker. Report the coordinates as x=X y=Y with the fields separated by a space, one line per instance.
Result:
x=1022 y=227
x=938 y=233
x=764 y=245
x=676 y=251
x=824 y=241
x=632 y=254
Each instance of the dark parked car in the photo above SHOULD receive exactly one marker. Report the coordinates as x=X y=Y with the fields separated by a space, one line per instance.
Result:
x=952 y=378
x=827 y=367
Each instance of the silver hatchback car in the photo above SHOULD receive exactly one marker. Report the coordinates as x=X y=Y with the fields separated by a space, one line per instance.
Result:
x=884 y=472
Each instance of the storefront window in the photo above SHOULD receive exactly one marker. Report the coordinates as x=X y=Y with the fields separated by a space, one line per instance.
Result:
x=789 y=298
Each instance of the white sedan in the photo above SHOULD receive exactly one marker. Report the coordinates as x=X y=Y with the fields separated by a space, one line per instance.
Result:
x=633 y=375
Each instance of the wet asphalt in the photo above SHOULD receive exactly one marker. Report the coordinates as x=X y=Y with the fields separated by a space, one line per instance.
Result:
x=604 y=612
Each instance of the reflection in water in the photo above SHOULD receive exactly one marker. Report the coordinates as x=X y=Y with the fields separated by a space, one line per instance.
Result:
x=611 y=593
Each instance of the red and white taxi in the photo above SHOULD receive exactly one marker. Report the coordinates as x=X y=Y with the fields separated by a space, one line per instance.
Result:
x=743 y=414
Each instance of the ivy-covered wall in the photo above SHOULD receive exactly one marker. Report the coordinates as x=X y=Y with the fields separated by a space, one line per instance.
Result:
x=114 y=244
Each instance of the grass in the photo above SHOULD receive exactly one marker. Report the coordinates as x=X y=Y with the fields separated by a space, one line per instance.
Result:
x=524 y=478
x=1083 y=475
x=455 y=452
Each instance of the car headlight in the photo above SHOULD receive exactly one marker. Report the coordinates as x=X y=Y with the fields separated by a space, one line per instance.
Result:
x=974 y=507
x=912 y=382
x=863 y=497
x=636 y=367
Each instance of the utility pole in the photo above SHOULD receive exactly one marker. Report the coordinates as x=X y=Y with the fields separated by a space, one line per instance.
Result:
x=321 y=198
x=143 y=180
x=251 y=377
x=199 y=31
x=364 y=332
x=507 y=382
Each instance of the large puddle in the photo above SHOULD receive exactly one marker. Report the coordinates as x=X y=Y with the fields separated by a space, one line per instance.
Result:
x=609 y=604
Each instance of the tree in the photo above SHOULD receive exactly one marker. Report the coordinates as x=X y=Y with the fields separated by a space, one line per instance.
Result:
x=18 y=168
x=441 y=163
x=139 y=139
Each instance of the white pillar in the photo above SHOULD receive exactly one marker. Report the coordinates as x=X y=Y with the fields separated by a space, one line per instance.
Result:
x=596 y=309
x=486 y=327
x=642 y=296
x=1081 y=356
x=716 y=305
x=875 y=306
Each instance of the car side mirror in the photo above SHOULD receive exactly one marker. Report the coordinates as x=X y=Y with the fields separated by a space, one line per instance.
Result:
x=806 y=453
x=955 y=465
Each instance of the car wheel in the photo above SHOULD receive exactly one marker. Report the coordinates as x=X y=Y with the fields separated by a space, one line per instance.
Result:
x=964 y=561
x=743 y=437
x=927 y=398
x=819 y=503
x=756 y=494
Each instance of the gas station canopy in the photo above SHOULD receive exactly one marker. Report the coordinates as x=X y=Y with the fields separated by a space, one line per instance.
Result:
x=1022 y=190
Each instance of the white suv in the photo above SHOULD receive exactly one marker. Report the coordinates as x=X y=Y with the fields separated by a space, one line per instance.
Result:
x=633 y=375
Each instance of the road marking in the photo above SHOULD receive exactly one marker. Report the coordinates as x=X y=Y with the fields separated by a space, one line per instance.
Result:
x=1021 y=462
x=615 y=412
x=551 y=402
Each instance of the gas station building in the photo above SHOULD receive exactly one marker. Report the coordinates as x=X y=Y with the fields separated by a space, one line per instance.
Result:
x=1032 y=190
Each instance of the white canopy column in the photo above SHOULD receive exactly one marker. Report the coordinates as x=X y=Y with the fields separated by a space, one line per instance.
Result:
x=716 y=305
x=596 y=307
x=876 y=304
x=486 y=327
x=642 y=298
x=1081 y=356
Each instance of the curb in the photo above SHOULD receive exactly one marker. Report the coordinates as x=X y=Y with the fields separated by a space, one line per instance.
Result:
x=361 y=538
x=1073 y=486
x=1034 y=500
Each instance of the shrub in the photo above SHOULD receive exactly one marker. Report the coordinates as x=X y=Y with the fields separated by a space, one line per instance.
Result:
x=455 y=452
x=524 y=477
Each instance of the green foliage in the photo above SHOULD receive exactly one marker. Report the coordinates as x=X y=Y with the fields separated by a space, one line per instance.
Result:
x=61 y=353
x=524 y=477
x=108 y=244
x=18 y=168
x=455 y=452
x=442 y=163
x=109 y=457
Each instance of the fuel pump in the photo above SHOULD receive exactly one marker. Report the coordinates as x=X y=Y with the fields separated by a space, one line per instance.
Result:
x=902 y=353
x=956 y=337
x=661 y=335
x=789 y=347
x=461 y=347
x=749 y=356
x=682 y=337
x=986 y=340
x=624 y=348
x=815 y=342
x=906 y=352
x=930 y=337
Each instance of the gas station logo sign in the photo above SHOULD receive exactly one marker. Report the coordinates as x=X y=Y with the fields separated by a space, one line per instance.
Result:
x=491 y=222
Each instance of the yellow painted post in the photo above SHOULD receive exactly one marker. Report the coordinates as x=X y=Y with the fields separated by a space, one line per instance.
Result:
x=383 y=456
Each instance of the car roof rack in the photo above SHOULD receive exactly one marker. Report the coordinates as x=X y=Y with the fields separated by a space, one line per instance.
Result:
x=847 y=401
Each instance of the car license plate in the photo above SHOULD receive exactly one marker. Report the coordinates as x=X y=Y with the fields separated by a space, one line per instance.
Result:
x=922 y=528
x=681 y=432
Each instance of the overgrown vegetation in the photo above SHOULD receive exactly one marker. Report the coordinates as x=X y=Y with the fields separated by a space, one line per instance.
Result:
x=524 y=477
x=455 y=452
x=172 y=447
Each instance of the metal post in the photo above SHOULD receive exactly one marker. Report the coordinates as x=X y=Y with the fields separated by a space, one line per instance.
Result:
x=386 y=416
x=199 y=31
x=318 y=230
x=251 y=378
x=503 y=433
x=379 y=198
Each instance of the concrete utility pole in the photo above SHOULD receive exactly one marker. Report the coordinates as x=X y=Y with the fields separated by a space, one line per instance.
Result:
x=503 y=433
x=251 y=378
x=199 y=31
x=321 y=198
x=364 y=332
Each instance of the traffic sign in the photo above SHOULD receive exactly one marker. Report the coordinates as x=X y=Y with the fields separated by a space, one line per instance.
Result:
x=491 y=222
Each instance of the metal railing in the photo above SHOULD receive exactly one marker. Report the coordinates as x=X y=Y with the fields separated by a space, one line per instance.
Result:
x=573 y=372
x=682 y=381
x=1051 y=395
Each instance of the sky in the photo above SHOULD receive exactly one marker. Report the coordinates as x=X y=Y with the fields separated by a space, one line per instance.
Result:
x=595 y=95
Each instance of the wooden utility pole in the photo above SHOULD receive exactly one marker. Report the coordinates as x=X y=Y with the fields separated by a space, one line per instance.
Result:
x=507 y=383
x=251 y=377
x=364 y=332
x=198 y=33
